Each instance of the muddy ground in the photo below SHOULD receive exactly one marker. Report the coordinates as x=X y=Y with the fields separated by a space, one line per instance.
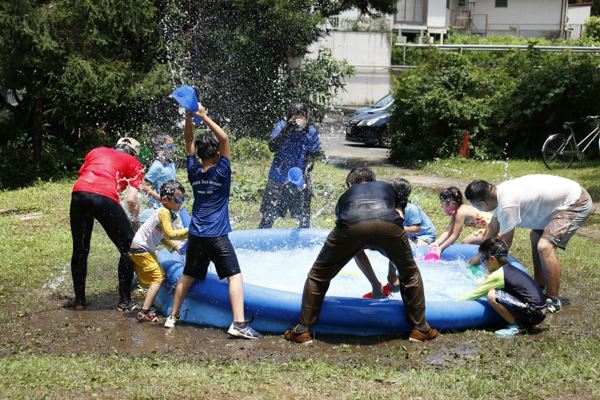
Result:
x=52 y=329
x=47 y=327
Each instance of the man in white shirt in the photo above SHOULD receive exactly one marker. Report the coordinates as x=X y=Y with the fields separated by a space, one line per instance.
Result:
x=551 y=206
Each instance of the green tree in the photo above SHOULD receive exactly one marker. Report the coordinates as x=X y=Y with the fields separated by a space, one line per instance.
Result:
x=243 y=55
x=592 y=28
x=75 y=69
x=436 y=103
x=76 y=73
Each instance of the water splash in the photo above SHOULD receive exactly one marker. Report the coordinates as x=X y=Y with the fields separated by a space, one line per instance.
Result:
x=57 y=281
x=286 y=269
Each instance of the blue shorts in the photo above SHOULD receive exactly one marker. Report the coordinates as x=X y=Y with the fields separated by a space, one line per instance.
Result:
x=202 y=250
x=527 y=315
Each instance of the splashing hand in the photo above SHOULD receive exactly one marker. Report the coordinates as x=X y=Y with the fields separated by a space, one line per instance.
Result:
x=201 y=111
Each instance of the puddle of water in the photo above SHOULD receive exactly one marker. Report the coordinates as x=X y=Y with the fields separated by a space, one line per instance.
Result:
x=56 y=282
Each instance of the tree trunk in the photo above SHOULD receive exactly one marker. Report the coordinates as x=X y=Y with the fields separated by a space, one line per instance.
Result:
x=37 y=131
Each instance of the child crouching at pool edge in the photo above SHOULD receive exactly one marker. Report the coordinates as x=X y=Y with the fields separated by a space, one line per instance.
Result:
x=511 y=292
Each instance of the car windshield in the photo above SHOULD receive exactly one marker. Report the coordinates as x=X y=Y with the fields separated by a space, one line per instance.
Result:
x=383 y=102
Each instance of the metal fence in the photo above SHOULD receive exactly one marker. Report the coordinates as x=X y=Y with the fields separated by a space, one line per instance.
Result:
x=496 y=47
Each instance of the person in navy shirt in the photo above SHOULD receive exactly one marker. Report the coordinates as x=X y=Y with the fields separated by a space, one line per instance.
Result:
x=295 y=142
x=209 y=227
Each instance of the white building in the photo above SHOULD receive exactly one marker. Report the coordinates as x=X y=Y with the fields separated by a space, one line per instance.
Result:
x=369 y=53
x=414 y=18
x=527 y=18
x=365 y=43
x=577 y=14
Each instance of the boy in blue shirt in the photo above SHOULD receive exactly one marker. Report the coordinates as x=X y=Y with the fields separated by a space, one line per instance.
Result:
x=209 y=227
x=295 y=142
x=511 y=292
x=417 y=225
x=162 y=169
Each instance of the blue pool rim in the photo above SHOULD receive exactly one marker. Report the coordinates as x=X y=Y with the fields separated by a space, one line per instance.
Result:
x=274 y=310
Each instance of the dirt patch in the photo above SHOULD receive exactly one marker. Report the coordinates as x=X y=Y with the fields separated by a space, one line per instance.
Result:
x=101 y=329
x=18 y=211
x=29 y=216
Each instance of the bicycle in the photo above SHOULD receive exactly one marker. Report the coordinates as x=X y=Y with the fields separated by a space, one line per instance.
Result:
x=559 y=150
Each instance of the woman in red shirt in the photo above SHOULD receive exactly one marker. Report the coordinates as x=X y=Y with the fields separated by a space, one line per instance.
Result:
x=104 y=174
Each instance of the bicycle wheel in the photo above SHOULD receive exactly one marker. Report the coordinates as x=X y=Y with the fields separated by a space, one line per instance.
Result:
x=558 y=151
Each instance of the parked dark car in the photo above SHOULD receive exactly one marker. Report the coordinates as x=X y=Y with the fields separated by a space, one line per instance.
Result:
x=369 y=125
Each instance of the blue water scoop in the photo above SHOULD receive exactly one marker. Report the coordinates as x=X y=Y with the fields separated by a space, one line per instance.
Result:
x=186 y=97
x=296 y=177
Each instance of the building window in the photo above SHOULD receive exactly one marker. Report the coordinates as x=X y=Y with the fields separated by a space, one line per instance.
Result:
x=462 y=3
x=501 y=3
x=448 y=4
x=334 y=22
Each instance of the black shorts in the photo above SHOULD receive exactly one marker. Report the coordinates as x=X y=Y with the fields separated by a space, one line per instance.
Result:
x=202 y=250
x=525 y=314
x=281 y=197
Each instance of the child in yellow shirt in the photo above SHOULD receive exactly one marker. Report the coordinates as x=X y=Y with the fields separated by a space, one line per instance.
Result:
x=158 y=228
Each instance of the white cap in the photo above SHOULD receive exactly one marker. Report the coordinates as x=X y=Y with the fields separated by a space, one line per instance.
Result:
x=131 y=143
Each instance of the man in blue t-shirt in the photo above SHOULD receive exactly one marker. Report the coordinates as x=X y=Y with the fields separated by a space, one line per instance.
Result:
x=295 y=143
x=209 y=227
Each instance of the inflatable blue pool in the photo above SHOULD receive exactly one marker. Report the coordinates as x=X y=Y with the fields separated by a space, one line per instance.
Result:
x=275 y=310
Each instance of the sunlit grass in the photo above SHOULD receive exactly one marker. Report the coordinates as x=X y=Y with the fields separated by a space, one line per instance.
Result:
x=35 y=251
x=496 y=171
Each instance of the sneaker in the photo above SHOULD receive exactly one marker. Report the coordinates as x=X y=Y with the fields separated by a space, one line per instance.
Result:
x=128 y=305
x=510 y=331
x=148 y=316
x=553 y=304
x=303 y=338
x=171 y=321
x=418 y=336
x=244 y=331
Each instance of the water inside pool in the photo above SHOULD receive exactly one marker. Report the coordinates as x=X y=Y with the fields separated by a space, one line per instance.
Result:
x=286 y=269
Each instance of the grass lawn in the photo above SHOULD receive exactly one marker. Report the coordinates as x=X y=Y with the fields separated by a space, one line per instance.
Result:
x=499 y=170
x=47 y=352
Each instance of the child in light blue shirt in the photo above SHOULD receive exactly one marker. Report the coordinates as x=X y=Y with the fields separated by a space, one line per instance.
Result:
x=161 y=170
x=417 y=225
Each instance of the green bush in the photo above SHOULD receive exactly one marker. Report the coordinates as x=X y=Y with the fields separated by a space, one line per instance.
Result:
x=435 y=104
x=592 y=28
x=512 y=102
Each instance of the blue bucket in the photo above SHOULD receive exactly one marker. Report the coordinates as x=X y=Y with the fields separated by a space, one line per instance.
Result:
x=296 y=177
x=186 y=97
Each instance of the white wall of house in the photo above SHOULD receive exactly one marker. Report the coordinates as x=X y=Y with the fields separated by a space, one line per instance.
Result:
x=436 y=15
x=520 y=17
x=577 y=14
x=370 y=55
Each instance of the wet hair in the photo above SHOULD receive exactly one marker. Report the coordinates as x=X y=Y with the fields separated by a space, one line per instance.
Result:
x=360 y=175
x=403 y=189
x=452 y=193
x=169 y=188
x=478 y=191
x=127 y=149
x=297 y=109
x=158 y=141
x=206 y=145
x=494 y=247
